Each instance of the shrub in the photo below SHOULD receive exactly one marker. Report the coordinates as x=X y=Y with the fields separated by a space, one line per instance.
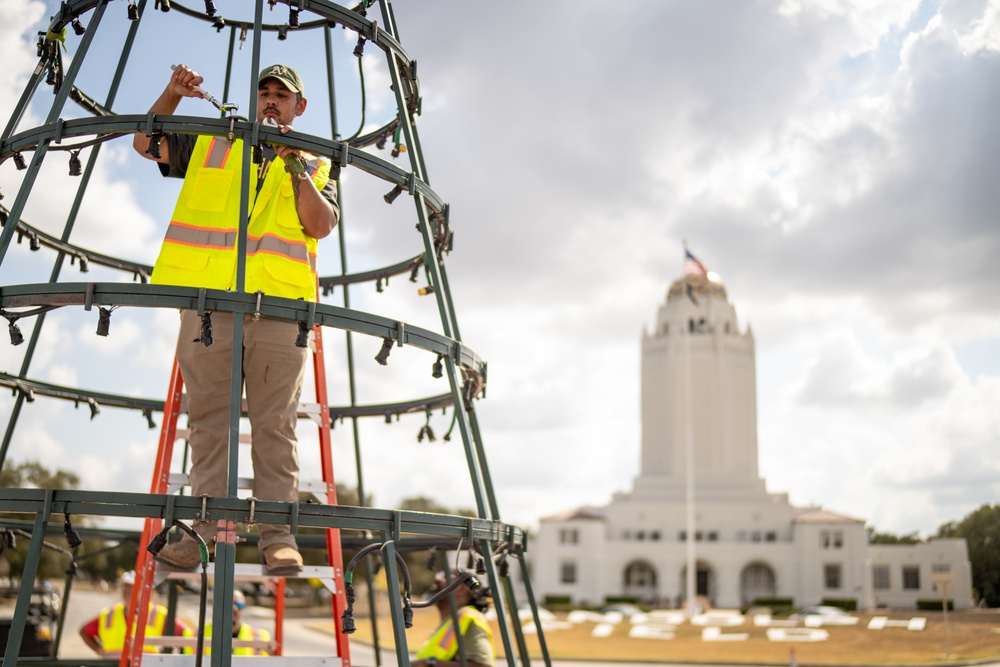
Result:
x=557 y=600
x=847 y=604
x=620 y=599
x=933 y=604
x=774 y=603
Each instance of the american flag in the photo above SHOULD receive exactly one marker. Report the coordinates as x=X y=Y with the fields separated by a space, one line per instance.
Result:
x=693 y=267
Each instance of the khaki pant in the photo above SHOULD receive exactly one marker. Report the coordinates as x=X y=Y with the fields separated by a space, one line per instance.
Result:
x=273 y=369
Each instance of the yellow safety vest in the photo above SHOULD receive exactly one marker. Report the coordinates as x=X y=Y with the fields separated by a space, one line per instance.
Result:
x=246 y=633
x=443 y=644
x=111 y=626
x=199 y=249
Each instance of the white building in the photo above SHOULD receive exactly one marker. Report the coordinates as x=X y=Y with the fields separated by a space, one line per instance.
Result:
x=699 y=382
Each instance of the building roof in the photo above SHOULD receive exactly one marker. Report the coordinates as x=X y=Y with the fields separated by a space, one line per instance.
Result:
x=580 y=513
x=825 y=517
x=699 y=287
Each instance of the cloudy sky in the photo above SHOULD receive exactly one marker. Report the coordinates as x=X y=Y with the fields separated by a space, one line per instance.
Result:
x=834 y=162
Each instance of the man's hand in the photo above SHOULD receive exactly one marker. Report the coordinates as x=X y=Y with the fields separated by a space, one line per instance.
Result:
x=185 y=82
x=315 y=213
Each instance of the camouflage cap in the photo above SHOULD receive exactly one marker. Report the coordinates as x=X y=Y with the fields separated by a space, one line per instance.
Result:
x=285 y=75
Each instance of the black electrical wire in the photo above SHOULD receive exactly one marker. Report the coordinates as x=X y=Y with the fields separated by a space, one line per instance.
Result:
x=361 y=126
x=154 y=547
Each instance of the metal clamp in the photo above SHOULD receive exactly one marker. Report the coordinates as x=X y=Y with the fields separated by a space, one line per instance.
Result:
x=256 y=313
x=253 y=508
x=204 y=508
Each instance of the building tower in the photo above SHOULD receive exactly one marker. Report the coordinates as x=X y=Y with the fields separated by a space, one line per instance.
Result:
x=696 y=352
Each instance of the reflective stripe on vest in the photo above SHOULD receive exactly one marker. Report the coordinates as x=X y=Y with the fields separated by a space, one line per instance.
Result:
x=217 y=154
x=199 y=249
x=222 y=240
x=443 y=644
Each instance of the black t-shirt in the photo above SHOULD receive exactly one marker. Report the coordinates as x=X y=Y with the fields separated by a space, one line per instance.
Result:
x=180 y=147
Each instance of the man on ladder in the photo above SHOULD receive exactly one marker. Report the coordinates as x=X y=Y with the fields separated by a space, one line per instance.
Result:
x=293 y=205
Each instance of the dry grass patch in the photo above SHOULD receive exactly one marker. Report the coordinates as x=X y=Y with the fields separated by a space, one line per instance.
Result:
x=973 y=635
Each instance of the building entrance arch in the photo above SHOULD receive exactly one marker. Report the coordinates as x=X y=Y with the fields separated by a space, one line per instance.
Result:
x=704 y=581
x=757 y=580
x=639 y=580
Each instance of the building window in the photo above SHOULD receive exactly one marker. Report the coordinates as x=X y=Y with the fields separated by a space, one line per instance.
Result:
x=682 y=536
x=626 y=535
x=831 y=576
x=824 y=539
x=755 y=536
x=941 y=568
x=741 y=536
x=640 y=535
x=569 y=536
x=911 y=578
x=698 y=536
x=771 y=536
x=567 y=574
x=880 y=577
x=654 y=535
x=713 y=536
x=838 y=539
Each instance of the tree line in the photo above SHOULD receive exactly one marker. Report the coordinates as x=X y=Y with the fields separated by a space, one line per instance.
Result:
x=102 y=559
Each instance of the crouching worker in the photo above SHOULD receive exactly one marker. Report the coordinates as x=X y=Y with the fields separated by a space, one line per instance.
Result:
x=241 y=631
x=442 y=648
x=105 y=633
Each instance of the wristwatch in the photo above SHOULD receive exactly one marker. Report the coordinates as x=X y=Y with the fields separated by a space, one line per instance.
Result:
x=431 y=662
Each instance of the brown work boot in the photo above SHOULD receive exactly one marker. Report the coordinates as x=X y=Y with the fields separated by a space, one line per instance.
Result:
x=186 y=554
x=282 y=560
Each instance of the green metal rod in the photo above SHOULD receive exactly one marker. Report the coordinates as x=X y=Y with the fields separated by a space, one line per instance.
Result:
x=31 y=560
x=67 y=231
x=57 y=105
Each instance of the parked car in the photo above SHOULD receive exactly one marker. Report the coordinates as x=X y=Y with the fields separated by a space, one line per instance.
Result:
x=43 y=611
x=820 y=610
x=625 y=610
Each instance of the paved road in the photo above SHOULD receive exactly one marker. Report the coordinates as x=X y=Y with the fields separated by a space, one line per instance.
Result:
x=300 y=638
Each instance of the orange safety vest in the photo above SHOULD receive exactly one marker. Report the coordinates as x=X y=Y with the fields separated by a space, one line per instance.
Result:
x=443 y=644
x=199 y=249
x=111 y=626
x=246 y=633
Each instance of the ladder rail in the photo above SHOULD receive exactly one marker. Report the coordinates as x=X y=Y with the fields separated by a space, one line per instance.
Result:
x=145 y=565
x=334 y=552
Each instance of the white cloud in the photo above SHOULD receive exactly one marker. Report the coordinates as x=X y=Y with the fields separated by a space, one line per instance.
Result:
x=834 y=160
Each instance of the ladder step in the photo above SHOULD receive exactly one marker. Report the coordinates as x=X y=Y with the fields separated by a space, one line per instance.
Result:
x=305 y=410
x=176 y=660
x=254 y=572
x=185 y=434
x=192 y=642
x=178 y=480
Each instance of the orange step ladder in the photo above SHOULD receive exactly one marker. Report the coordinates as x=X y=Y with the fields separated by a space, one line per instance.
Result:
x=163 y=481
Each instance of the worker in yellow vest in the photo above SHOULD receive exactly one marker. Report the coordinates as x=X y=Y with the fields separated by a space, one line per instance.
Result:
x=293 y=204
x=241 y=630
x=105 y=633
x=442 y=648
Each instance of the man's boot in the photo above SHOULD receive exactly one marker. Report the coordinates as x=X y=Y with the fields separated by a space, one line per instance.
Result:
x=186 y=554
x=282 y=560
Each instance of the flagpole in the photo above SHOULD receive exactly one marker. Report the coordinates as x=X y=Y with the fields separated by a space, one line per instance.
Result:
x=689 y=475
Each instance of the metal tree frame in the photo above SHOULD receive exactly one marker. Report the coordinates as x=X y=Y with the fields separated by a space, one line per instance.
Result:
x=465 y=371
